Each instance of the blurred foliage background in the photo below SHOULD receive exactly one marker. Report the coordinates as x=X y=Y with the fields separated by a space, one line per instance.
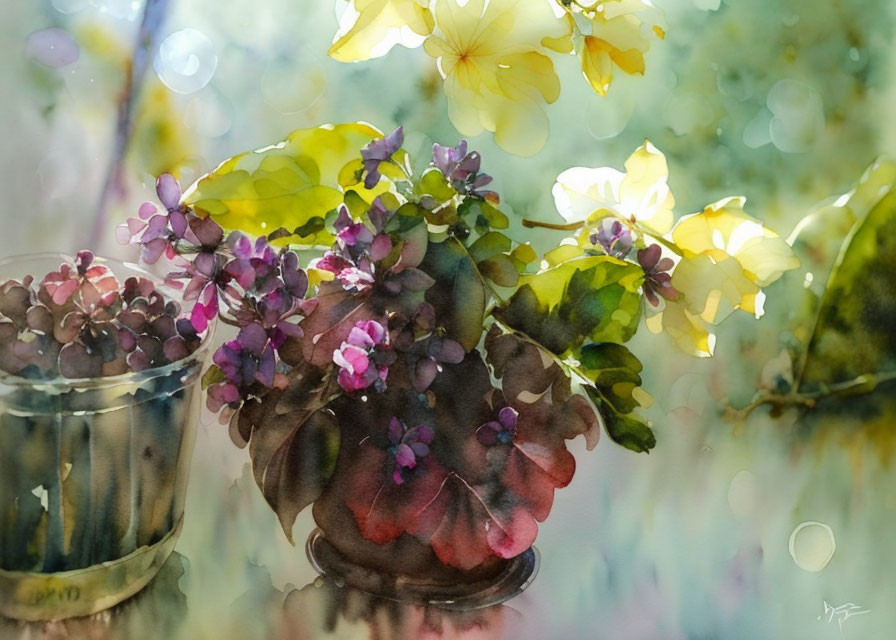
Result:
x=785 y=103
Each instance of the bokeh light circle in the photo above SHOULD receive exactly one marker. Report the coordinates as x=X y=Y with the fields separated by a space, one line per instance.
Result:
x=186 y=61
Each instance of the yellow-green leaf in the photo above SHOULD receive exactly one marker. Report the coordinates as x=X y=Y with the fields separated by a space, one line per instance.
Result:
x=283 y=185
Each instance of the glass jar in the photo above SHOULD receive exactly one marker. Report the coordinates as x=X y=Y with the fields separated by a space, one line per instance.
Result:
x=93 y=476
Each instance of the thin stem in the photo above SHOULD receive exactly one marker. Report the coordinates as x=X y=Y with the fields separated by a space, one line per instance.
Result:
x=154 y=13
x=671 y=246
x=533 y=224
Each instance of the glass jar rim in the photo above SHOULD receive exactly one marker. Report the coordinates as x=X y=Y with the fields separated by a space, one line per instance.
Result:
x=130 y=377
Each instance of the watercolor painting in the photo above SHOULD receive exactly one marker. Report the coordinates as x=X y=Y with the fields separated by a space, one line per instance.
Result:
x=448 y=319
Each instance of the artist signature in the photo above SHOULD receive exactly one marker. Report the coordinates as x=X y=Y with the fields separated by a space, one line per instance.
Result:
x=841 y=614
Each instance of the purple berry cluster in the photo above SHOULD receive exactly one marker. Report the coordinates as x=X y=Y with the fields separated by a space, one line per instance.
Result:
x=80 y=322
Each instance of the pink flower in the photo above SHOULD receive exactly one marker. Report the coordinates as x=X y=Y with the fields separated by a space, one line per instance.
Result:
x=359 y=358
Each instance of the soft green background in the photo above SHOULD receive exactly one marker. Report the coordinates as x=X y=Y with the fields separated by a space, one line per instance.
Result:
x=783 y=102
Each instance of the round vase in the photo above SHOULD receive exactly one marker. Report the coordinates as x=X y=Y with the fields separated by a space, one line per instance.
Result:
x=406 y=569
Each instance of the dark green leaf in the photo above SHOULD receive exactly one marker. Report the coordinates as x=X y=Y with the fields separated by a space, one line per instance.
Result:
x=311 y=227
x=614 y=371
x=594 y=297
x=293 y=445
x=458 y=295
x=855 y=332
x=500 y=270
x=213 y=375
x=628 y=430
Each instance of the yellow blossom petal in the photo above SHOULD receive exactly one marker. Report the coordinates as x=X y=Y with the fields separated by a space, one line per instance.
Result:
x=596 y=64
x=641 y=193
x=713 y=290
x=370 y=28
x=687 y=330
x=496 y=76
x=615 y=39
x=646 y=183
x=723 y=229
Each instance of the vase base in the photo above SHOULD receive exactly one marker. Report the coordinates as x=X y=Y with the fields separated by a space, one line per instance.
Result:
x=513 y=579
x=34 y=597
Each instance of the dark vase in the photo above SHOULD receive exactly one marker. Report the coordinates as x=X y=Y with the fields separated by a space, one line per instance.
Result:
x=406 y=569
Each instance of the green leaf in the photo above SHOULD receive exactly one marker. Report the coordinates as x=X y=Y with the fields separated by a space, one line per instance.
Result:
x=855 y=330
x=493 y=217
x=213 y=375
x=283 y=185
x=433 y=183
x=614 y=370
x=524 y=253
x=458 y=295
x=501 y=270
x=488 y=245
x=356 y=205
x=593 y=297
x=628 y=430
x=310 y=228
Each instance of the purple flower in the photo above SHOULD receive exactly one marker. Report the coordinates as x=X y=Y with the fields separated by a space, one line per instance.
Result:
x=208 y=278
x=246 y=360
x=274 y=310
x=168 y=190
x=159 y=233
x=354 y=234
x=357 y=357
x=255 y=267
x=407 y=447
x=501 y=431
x=436 y=351
x=295 y=280
x=377 y=151
x=223 y=395
x=656 y=280
x=461 y=169
x=615 y=238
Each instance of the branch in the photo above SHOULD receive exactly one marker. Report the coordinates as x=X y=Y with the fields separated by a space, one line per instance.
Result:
x=154 y=13
x=863 y=384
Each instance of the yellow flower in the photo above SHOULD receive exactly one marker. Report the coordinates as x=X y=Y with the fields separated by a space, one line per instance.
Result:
x=640 y=194
x=370 y=28
x=736 y=256
x=688 y=331
x=616 y=39
x=727 y=256
x=496 y=76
